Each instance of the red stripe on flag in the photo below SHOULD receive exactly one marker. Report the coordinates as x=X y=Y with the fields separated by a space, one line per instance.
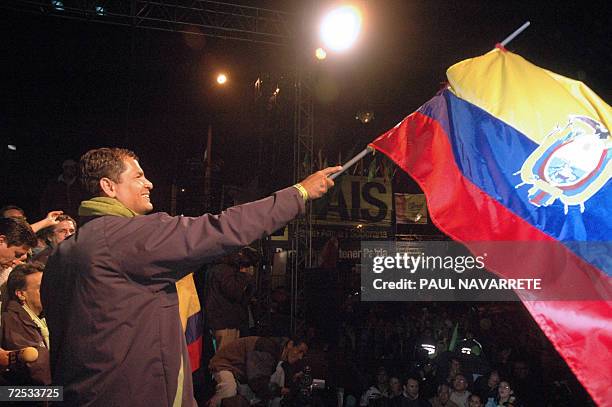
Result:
x=580 y=330
x=195 y=353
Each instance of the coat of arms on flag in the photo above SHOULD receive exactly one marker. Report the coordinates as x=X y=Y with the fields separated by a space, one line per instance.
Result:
x=571 y=165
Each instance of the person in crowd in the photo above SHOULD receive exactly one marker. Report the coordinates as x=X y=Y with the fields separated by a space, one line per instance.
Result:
x=230 y=287
x=16 y=239
x=252 y=361
x=64 y=228
x=505 y=396
x=23 y=325
x=411 y=396
x=15 y=212
x=110 y=296
x=395 y=387
x=64 y=192
x=442 y=398
x=486 y=386
x=460 y=393
x=426 y=371
x=475 y=401
x=380 y=389
x=454 y=368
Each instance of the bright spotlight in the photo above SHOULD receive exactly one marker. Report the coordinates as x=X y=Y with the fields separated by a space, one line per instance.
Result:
x=221 y=79
x=320 y=53
x=340 y=28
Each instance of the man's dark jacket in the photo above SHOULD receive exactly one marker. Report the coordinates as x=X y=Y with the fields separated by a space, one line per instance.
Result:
x=227 y=297
x=110 y=298
x=19 y=331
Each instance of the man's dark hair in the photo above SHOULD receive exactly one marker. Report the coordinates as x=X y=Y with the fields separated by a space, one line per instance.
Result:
x=17 y=232
x=412 y=377
x=247 y=257
x=17 y=278
x=103 y=162
x=297 y=340
x=63 y=218
x=8 y=208
x=46 y=233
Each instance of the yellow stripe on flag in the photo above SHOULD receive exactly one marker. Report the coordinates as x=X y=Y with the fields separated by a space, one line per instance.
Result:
x=189 y=302
x=532 y=100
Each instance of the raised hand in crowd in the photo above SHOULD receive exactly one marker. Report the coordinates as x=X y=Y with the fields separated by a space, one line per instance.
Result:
x=49 y=220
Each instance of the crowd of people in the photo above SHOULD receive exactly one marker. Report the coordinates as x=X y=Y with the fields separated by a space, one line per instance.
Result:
x=450 y=354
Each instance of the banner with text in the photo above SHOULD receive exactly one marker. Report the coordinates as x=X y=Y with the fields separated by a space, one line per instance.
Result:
x=355 y=201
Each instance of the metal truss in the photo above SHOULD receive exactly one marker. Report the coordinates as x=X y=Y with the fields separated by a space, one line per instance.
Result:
x=303 y=158
x=198 y=17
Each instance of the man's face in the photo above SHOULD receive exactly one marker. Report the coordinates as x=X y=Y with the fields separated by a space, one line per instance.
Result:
x=30 y=295
x=295 y=353
x=11 y=255
x=250 y=270
x=504 y=389
x=396 y=385
x=69 y=169
x=381 y=376
x=412 y=388
x=133 y=188
x=444 y=394
x=459 y=383
x=493 y=380
x=521 y=370
x=474 y=401
x=61 y=231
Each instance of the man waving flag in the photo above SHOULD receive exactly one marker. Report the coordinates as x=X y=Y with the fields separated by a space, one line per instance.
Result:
x=516 y=162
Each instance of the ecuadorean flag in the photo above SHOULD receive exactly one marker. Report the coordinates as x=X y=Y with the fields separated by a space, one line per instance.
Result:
x=191 y=318
x=516 y=161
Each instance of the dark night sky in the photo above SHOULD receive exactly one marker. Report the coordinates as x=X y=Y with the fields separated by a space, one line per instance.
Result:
x=69 y=86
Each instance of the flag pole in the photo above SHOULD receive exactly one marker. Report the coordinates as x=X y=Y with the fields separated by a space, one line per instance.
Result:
x=370 y=149
x=352 y=161
x=514 y=34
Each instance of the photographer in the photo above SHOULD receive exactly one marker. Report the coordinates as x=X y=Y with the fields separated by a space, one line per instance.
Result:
x=231 y=286
x=252 y=361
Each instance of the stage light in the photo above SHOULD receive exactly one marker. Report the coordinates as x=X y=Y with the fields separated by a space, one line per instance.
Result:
x=221 y=79
x=100 y=10
x=365 y=116
x=340 y=28
x=12 y=147
x=58 y=5
x=320 y=53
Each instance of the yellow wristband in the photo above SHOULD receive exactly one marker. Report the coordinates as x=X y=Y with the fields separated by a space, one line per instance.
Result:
x=302 y=190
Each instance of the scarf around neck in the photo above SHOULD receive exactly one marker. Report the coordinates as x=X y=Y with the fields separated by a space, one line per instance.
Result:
x=102 y=205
